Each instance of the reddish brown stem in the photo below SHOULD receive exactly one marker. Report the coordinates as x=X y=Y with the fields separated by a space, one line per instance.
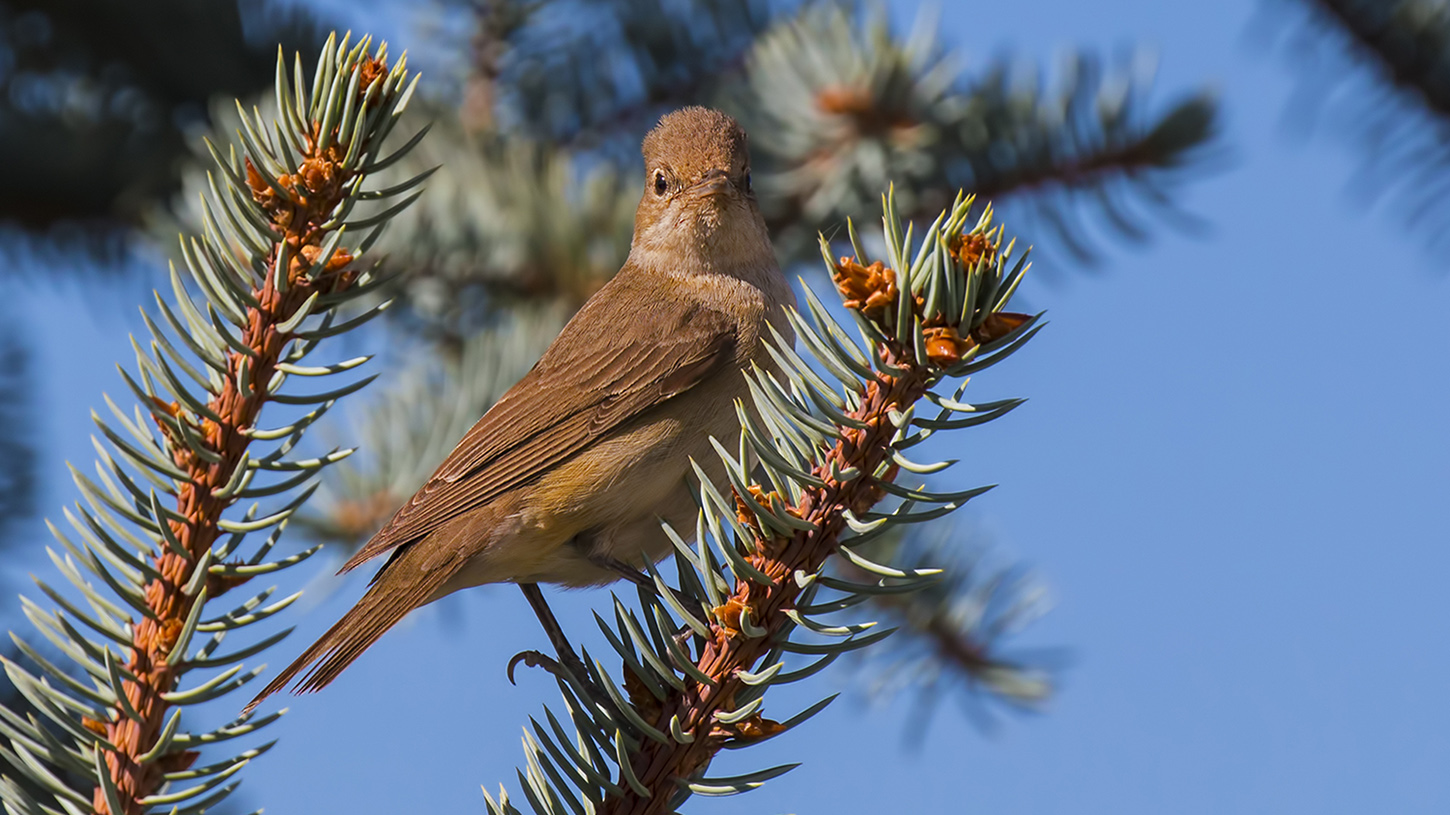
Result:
x=727 y=652
x=317 y=188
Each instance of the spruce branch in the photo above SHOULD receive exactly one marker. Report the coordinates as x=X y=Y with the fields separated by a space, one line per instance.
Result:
x=954 y=631
x=700 y=656
x=596 y=74
x=508 y=224
x=1394 y=100
x=849 y=106
x=280 y=254
x=1408 y=41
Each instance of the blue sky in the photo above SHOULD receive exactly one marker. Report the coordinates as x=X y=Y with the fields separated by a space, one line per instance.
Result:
x=1232 y=473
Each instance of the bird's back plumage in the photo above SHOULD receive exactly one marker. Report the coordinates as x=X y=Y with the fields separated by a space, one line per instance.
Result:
x=588 y=382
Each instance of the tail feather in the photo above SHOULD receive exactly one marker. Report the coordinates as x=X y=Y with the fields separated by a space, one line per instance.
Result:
x=399 y=588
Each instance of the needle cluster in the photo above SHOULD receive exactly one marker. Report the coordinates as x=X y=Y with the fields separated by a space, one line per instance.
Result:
x=189 y=472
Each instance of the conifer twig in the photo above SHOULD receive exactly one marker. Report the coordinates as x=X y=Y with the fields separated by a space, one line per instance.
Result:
x=263 y=286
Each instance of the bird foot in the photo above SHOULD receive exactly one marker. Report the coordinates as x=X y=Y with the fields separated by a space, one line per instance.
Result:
x=569 y=667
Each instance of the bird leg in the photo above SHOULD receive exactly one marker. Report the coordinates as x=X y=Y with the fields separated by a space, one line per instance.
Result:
x=552 y=629
x=569 y=665
x=642 y=580
x=626 y=571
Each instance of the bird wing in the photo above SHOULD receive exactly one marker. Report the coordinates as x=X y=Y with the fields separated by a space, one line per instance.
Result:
x=612 y=362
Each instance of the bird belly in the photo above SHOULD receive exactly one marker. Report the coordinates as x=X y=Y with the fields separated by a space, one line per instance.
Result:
x=606 y=503
x=637 y=479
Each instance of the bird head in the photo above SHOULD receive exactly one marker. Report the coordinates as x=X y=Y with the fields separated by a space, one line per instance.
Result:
x=698 y=201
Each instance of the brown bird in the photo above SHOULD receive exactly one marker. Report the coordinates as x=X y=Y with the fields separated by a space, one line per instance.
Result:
x=566 y=476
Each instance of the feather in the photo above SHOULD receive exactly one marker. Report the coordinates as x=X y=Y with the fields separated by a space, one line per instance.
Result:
x=408 y=581
x=591 y=381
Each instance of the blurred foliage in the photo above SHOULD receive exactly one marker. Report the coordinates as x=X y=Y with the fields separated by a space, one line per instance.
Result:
x=17 y=474
x=1379 y=70
x=17 y=456
x=18 y=471
x=100 y=98
x=959 y=629
x=599 y=73
x=541 y=186
x=847 y=108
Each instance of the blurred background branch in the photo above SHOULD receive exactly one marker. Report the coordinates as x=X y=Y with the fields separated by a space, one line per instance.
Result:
x=957 y=630
x=1379 y=70
x=101 y=99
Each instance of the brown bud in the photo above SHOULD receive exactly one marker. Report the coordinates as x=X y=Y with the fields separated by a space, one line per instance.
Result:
x=369 y=69
x=998 y=325
x=219 y=584
x=945 y=347
x=971 y=247
x=640 y=696
x=176 y=762
x=868 y=289
x=758 y=727
x=728 y=615
x=844 y=100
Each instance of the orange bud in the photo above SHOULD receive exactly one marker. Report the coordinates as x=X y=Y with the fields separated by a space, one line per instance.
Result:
x=758 y=727
x=998 y=325
x=169 y=408
x=170 y=630
x=971 y=247
x=840 y=99
x=728 y=615
x=868 y=289
x=945 y=347
x=254 y=178
x=340 y=258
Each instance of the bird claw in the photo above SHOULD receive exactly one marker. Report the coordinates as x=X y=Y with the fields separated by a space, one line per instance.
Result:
x=535 y=659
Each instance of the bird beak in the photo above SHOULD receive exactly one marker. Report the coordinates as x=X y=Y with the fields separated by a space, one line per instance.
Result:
x=714 y=182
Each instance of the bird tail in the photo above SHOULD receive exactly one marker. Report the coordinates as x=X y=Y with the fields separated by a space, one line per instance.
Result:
x=398 y=589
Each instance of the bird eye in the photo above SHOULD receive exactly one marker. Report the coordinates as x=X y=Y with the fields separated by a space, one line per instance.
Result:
x=661 y=185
